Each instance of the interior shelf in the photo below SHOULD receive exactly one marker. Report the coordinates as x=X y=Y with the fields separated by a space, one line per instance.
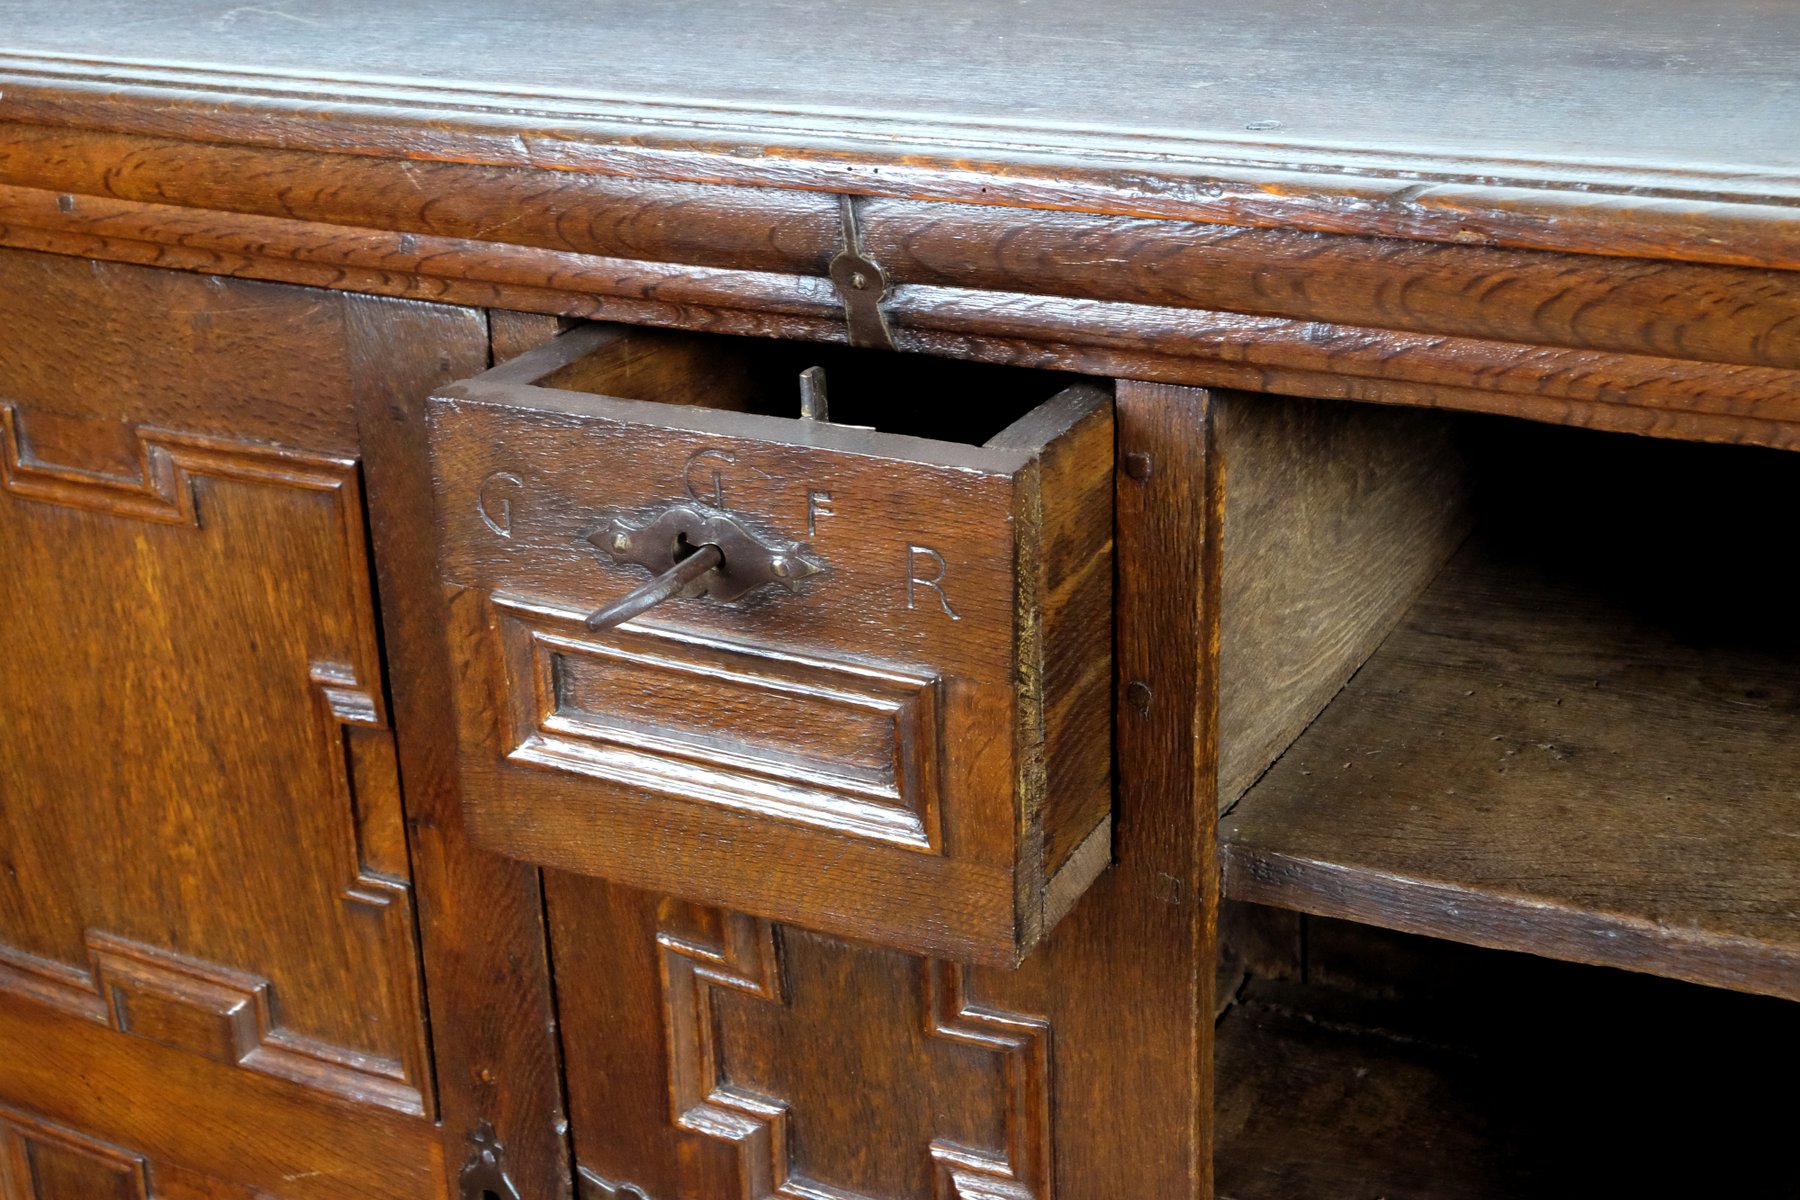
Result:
x=1582 y=741
x=1531 y=1085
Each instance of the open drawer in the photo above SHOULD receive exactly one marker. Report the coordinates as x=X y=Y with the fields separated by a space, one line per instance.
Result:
x=887 y=713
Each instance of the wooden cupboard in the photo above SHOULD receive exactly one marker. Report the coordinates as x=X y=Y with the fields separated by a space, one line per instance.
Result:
x=1189 y=663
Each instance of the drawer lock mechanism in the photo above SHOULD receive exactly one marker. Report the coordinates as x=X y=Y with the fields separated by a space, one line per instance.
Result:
x=703 y=551
x=694 y=552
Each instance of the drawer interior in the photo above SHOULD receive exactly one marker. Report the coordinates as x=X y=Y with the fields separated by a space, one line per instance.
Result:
x=911 y=394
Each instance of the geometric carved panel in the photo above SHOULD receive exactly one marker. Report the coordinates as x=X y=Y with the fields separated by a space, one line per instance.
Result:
x=224 y=1015
x=202 y=827
x=40 y=1161
x=953 y=1097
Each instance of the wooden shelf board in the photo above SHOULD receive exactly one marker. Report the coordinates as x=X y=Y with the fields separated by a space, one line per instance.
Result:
x=1544 y=759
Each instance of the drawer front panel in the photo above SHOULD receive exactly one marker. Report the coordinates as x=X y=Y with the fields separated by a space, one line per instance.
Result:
x=917 y=557
x=863 y=747
x=826 y=744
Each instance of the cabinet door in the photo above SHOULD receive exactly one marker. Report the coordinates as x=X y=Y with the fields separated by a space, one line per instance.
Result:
x=207 y=930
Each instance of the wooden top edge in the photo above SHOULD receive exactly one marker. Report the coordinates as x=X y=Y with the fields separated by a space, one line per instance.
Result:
x=694 y=118
x=1742 y=214
x=1050 y=420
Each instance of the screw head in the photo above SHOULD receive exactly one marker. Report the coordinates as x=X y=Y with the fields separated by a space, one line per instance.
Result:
x=779 y=567
x=859 y=281
x=621 y=542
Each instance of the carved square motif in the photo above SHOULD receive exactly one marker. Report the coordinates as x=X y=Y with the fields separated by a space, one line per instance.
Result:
x=203 y=1009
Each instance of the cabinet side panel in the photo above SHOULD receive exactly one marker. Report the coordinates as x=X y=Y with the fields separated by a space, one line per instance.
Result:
x=1076 y=481
x=1336 y=517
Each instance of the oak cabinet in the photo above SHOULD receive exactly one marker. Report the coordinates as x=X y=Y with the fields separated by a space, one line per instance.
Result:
x=328 y=810
x=925 y=601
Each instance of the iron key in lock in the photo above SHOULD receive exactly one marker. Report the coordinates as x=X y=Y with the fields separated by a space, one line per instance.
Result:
x=722 y=560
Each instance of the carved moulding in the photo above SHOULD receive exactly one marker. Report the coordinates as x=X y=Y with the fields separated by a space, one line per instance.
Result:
x=29 y=1145
x=746 y=958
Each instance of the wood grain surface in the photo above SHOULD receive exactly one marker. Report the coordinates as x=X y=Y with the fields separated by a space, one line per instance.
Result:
x=482 y=938
x=910 y=746
x=246 y=1127
x=1490 y=1077
x=1336 y=517
x=1613 y=268
x=1666 y=357
x=210 y=945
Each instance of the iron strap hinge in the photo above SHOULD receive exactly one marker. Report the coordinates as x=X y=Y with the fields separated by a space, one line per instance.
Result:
x=860 y=285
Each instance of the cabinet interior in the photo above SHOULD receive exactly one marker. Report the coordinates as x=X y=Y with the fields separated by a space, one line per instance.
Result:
x=1572 y=739
x=1355 y=1061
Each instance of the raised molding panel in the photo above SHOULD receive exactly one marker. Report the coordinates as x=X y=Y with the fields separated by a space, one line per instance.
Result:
x=840 y=746
x=41 y=1161
x=228 y=1016
x=192 y=995
x=744 y=957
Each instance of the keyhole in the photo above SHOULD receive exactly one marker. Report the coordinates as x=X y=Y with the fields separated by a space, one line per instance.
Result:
x=685 y=549
x=489 y=1194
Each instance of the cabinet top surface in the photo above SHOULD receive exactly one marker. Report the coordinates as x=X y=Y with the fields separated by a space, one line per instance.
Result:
x=1692 y=87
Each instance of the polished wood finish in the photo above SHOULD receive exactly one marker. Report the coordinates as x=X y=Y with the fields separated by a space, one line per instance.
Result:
x=254 y=947
x=1528 y=128
x=96 y=350
x=210 y=879
x=1641 y=295
x=293 y=787
x=1153 y=941
x=1579 y=742
x=1634 y=344
x=169 y=1105
x=482 y=936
